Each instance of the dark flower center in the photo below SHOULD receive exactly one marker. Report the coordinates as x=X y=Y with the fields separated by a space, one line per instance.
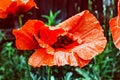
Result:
x=38 y=34
x=62 y=41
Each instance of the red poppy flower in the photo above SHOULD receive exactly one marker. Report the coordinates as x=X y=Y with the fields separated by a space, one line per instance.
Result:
x=15 y=6
x=73 y=42
x=115 y=28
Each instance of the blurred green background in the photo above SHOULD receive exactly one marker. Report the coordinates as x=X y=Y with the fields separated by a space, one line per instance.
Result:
x=13 y=62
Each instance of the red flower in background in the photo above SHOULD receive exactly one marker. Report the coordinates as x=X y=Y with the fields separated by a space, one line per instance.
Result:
x=115 y=28
x=15 y=6
x=73 y=42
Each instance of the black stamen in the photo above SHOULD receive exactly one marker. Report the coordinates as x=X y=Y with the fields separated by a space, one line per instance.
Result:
x=62 y=41
x=38 y=34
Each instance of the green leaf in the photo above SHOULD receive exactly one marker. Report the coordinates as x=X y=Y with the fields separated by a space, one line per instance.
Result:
x=52 y=18
x=82 y=73
x=68 y=76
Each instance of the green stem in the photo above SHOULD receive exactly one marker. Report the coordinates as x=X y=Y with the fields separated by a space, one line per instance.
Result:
x=48 y=72
x=20 y=20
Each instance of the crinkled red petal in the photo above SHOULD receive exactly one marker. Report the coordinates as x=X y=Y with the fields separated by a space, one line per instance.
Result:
x=93 y=44
x=60 y=58
x=115 y=28
x=41 y=58
x=81 y=62
x=63 y=57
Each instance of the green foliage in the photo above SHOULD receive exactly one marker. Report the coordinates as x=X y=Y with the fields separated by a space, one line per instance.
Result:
x=2 y=36
x=52 y=18
x=68 y=76
x=13 y=65
x=83 y=73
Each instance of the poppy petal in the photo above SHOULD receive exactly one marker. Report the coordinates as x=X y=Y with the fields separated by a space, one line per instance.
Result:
x=30 y=4
x=15 y=6
x=25 y=5
x=32 y=26
x=118 y=7
x=43 y=44
x=89 y=34
x=25 y=39
x=92 y=45
x=3 y=15
x=81 y=22
x=50 y=36
x=41 y=58
x=115 y=28
x=63 y=57
x=4 y=4
x=81 y=62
